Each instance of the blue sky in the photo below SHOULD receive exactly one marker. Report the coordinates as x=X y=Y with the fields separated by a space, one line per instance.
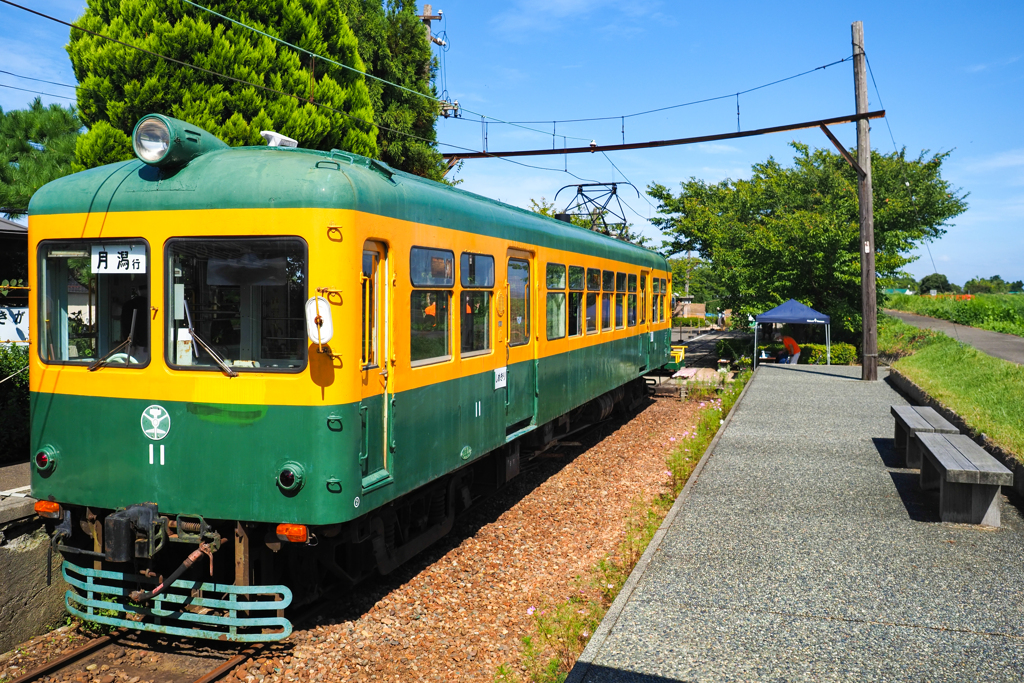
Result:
x=951 y=76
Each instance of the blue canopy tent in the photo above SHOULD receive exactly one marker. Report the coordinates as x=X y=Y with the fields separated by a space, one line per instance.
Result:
x=794 y=312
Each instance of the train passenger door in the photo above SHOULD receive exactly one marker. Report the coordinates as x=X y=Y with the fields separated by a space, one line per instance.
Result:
x=644 y=326
x=520 y=343
x=375 y=406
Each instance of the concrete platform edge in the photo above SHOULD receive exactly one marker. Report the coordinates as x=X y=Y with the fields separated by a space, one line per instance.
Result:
x=582 y=667
x=919 y=396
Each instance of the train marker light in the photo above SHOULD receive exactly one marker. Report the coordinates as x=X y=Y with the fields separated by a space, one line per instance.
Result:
x=48 y=509
x=290 y=478
x=45 y=460
x=293 y=533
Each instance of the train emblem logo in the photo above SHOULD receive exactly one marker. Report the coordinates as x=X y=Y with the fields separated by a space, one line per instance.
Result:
x=156 y=422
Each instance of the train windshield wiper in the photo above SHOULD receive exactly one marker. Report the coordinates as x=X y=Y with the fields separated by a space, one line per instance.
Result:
x=100 y=362
x=206 y=347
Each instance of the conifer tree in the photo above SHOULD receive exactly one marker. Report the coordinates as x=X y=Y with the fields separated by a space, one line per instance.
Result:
x=119 y=85
x=37 y=145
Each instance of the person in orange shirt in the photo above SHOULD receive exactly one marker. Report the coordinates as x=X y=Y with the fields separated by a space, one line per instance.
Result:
x=792 y=348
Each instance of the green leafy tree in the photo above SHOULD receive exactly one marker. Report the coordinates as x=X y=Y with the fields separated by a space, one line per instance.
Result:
x=992 y=285
x=793 y=232
x=938 y=282
x=394 y=47
x=37 y=145
x=119 y=85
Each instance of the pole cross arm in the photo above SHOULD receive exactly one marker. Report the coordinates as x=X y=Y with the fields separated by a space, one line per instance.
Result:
x=842 y=150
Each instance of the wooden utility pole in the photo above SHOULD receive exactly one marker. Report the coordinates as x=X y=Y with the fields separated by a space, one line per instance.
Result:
x=869 y=310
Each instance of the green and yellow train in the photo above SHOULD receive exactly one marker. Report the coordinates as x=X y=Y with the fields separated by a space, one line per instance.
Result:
x=278 y=365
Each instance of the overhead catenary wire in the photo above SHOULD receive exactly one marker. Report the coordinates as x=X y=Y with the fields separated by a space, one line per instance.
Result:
x=694 y=102
x=39 y=80
x=36 y=92
x=267 y=89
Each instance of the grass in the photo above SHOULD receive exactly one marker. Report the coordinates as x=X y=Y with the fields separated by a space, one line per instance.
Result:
x=563 y=628
x=996 y=312
x=986 y=392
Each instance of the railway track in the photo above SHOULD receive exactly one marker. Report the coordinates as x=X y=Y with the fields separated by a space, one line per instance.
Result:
x=126 y=656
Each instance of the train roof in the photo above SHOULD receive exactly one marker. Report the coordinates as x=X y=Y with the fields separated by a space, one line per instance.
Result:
x=280 y=177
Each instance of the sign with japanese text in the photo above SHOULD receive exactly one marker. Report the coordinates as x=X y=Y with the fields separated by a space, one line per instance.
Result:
x=13 y=325
x=118 y=258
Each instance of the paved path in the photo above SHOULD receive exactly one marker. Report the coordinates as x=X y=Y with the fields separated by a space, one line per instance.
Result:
x=1006 y=346
x=799 y=555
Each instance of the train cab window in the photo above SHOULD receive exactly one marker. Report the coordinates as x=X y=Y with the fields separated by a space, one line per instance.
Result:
x=620 y=294
x=432 y=272
x=476 y=271
x=577 y=280
x=631 y=302
x=655 y=290
x=608 y=285
x=643 y=298
x=94 y=302
x=518 y=302
x=556 y=301
x=236 y=302
x=593 y=296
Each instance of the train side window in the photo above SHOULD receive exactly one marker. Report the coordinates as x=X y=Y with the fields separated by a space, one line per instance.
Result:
x=593 y=280
x=429 y=326
x=476 y=271
x=608 y=281
x=654 y=299
x=592 y=312
x=608 y=286
x=643 y=298
x=555 y=301
x=430 y=323
x=577 y=281
x=631 y=302
x=518 y=302
x=90 y=291
x=577 y=278
x=620 y=288
x=371 y=259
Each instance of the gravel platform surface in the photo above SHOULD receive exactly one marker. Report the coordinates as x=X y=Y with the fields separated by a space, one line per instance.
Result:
x=801 y=555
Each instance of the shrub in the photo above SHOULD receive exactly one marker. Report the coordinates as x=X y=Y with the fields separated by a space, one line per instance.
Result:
x=689 y=322
x=14 y=436
x=816 y=354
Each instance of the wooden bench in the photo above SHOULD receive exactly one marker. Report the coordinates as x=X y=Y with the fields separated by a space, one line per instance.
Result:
x=912 y=420
x=968 y=478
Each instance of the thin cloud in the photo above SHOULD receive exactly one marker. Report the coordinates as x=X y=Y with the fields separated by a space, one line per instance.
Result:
x=1008 y=159
x=977 y=68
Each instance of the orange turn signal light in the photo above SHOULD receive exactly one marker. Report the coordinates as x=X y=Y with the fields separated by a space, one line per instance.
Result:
x=294 y=533
x=47 y=508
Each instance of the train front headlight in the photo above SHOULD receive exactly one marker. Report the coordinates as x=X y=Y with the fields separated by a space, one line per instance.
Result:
x=151 y=139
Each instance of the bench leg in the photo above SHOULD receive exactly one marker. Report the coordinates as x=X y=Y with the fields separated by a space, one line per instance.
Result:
x=930 y=475
x=899 y=440
x=969 y=503
x=913 y=451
